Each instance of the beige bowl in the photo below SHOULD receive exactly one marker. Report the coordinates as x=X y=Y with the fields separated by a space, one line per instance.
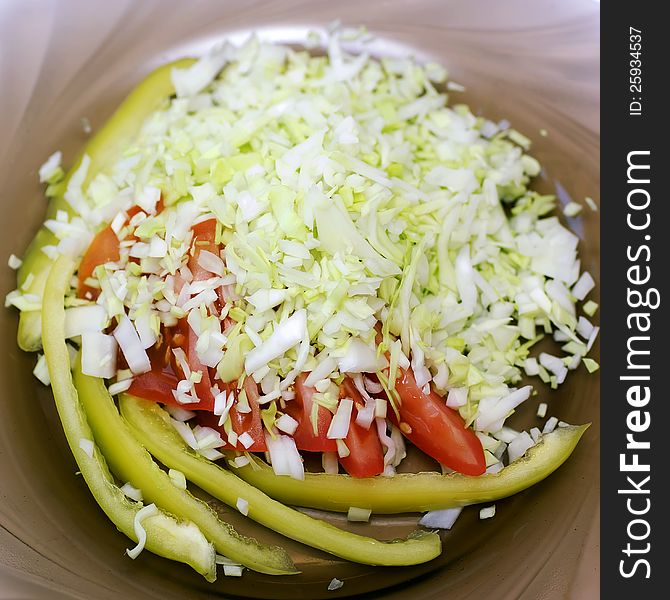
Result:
x=532 y=62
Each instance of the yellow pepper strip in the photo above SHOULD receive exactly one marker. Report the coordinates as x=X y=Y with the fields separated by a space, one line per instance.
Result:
x=151 y=425
x=418 y=492
x=131 y=462
x=177 y=540
x=104 y=149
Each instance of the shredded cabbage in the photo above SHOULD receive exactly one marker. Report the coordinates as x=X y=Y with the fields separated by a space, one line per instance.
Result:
x=350 y=199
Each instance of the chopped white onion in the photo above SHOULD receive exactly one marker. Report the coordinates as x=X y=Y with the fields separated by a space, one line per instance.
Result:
x=240 y=461
x=120 y=386
x=583 y=286
x=186 y=433
x=584 y=327
x=372 y=387
x=358 y=515
x=132 y=492
x=339 y=426
x=233 y=570
x=287 y=424
x=178 y=478
x=243 y=506
x=492 y=412
x=441 y=519
x=487 y=512
x=330 y=463
x=342 y=449
x=555 y=365
x=211 y=262
x=189 y=81
x=360 y=358
x=531 y=366
x=518 y=446
x=98 y=354
x=148 y=198
x=323 y=369
x=129 y=341
x=211 y=453
x=286 y=335
x=179 y=414
x=246 y=440
x=14 y=262
x=386 y=441
x=457 y=397
x=592 y=338
x=148 y=335
x=550 y=425
x=50 y=167
x=284 y=455
x=41 y=370
x=78 y=319
x=140 y=532
x=264 y=300
x=506 y=434
x=87 y=446
x=335 y=584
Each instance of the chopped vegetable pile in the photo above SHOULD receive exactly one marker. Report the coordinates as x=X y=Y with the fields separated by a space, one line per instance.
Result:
x=306 y=254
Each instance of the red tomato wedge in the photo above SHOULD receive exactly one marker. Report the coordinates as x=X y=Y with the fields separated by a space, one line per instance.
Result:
x=103 y=249
x=204 y=387
x=300 y=408
x=251 y=421
x=204 y=238
x=366 y=456
x=242 y=422
x=437 y=429
x=157 y=385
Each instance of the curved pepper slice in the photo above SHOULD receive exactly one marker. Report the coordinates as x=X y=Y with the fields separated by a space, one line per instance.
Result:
x=151 y=425
x=177 y=540
x=417 y=492
x=103 y=149
x=131 y=462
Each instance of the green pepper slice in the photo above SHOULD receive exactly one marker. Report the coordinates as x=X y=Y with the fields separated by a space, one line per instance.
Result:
x=151 y=425
x=177 y=540
x=131 y=462
x=103 y=149
x=417 y=492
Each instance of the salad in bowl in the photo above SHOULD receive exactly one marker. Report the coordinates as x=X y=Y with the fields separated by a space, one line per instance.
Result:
x=267 y=257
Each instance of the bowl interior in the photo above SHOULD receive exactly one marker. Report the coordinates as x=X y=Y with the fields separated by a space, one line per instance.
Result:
x=532 y=63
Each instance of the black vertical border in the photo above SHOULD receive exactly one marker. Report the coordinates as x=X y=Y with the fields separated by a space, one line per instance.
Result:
x=622 y=133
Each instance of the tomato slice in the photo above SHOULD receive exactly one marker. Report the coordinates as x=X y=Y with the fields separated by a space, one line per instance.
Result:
x=300 y=408
x=436 y=429
x=165 y=371
x=366 y=456
x=157 y=385
x=103 y=249
x=203 y=388
x=250 y=422
x=204 y=238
